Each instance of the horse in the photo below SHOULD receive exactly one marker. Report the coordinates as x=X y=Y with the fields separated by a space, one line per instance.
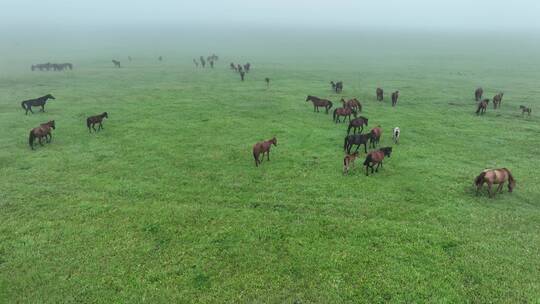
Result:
x=318 y=102
x=497 y=177
x=247 y=67
x=37 y=102
x=44 y=130
x=482 y=106
x=356 y=123
x=211 y=64
x=116 y=63
x=239 y=68
x=339 y=86
x=232 y=66
x=524 y=110
x=263 y=147
x=348 y=161
x=203 y=62
x=160 y=58
x=376 y=157
x=356 y=139
x=345 y=112
x=478 y=94
x=395 y=135
x=376 y=134
x=352 y=103
x=379 y=93
x=97 y=119
x=497 y=99
x=267 y=82
x=242 y=75
x=395 y=97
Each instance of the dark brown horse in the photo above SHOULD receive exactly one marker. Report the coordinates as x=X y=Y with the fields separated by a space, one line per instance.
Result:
x=524 y=110
x=478 y=94
x=337 y=86
x=116 y=63
x=497 y=177
x=345 y=112
x=353 y=104
x=319 y=102
x=395 y=97
x=247 y=67
x=356 y=123
x=482 y=106
x=263 y=147
x=379 y=93
x=37 y=102
x=232 y=66
x=356 y=140
x=267 y=82
x=497 y=100
x=376 y=134
x=242 y=75
x=93 y=120
x=376 y=158
x=44 y=130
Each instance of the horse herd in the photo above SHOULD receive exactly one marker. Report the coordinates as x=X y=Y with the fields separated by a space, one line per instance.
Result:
x=52 y=66
x=482 y=104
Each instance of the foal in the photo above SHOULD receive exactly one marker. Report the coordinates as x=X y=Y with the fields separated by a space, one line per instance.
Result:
x=263 y=147
x=379 y=93
x=376 y=157
x=395 y=135
x=482 y=106
x=348 y=161
x=495 y=176
x=44 y=130
x=524 y=110
x=395 y=97
x=93 y=120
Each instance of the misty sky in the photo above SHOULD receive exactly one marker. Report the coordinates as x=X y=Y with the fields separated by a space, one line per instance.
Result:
x=384 y=14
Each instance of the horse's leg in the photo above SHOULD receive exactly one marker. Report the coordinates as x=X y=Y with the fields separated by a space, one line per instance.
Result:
x=499 y=189
x=40 y=142
x=268 y=155
x=94 y=127
x=489 y=188
x=30 y=108
x=43 y=108
x=50 y=137
x=378 y=165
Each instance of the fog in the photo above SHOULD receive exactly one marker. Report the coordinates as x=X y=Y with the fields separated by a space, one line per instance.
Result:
x=330 y=14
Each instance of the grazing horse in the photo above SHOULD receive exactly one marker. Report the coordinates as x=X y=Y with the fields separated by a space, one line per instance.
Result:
x=195 y=62
x=376 y=157
x=356 y=139
x=93 y=120
x=345 y=112
x=524 y=110
x=44 y=130
x=497 y=177
x=395 y=97
x=497 y=100
x=233 y=66
x=376 y=134
x=267 y=82
x=339 y=86
x=356 y=123
x=482 y=106
x=38 y=102
x=247 y=67
x=353 y=104
x=263 y=147
x=239 y=68
x=348 y=161
x=116 y=63
x=203 y=62
x=242 y=75
x=478 y=94
x=318 y=102
x=395 y=135
x=379 y=93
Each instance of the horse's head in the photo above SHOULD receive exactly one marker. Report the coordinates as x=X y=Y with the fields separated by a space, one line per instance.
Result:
x=274 y=141
x=51 y=124
x=49 y=96
x=308 y=97
x=105 y=115
x=387 y=151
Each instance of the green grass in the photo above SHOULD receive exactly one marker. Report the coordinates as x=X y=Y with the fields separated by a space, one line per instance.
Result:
x=166 y=205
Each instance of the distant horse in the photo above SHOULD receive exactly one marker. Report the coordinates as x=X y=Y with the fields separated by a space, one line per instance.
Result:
x=233 y=66
x=497 y=100
x=524 y=110
x=160 y=58
x=348 y=162
x=93 y=120
x=267 y=82
x=478 y=94
x=482 y=106
x=337 y=86
x=318 y=102
x=333 y=85
x=497 y=177
x=242 y=75
x=356 y=123
x=44 y=130
x=356 y=140
x=376 y=157
x=376 y=134
x=116 y=63
x=395 y=97
x=345 y=112
x=395 y=135
x=379 y=93
x=196 y=62
x=211 y=64
x=213 y=57
x=239 y=68
x=203 y=62
x=352 y=103
x=263 y=147
x=247 y=67
x=38 y=102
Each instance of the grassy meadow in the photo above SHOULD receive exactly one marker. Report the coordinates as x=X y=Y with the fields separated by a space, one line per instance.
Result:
x=165 y=205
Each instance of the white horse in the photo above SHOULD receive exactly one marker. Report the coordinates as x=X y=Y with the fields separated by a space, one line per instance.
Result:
x=395 y=135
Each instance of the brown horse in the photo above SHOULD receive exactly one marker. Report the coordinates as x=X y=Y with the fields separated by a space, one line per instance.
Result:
x=376 y=157
x=345 y=112
x=44 y=130
x=395 y=97
x=482 y=106
x=353 y=104
x=497 y=177
x=267 y=82
x=348 y=162
x=263 y=147
x=116 y=63
x=478 y=94
x=93 y=120
x=379 y=93
x=497 y=100
x=318 y=102
x=524 y=110
x=356 y=123
x=376 y=134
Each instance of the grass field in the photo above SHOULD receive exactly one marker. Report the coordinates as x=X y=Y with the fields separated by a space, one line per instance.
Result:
x=166 y=205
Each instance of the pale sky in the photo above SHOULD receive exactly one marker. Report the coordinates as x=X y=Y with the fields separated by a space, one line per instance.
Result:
x=400 y=14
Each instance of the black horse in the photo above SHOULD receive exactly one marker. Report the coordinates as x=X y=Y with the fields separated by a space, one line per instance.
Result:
x=38 y=102
x=356 y=139
x=356 y=123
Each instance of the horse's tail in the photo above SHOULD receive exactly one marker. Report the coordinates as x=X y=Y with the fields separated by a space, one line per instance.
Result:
x=510 y=176
x=368 y=160
x=349 y=128
x=479 y=179
x=31 y=138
